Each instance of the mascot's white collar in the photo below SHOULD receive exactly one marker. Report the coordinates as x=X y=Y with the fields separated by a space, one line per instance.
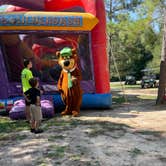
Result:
x=71 y=70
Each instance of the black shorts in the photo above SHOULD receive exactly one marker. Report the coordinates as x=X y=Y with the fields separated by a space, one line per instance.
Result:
x=27 y=103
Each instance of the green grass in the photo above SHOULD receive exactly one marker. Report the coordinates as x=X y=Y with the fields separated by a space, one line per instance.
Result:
x=135 y=152
x=118 y=99
x=151 y=133
x=102 y=128
x=53 y=138
x=41 y=162
x=63 y=124
x=75 y=157
x=7 y=125
x=56 y=122
x=56 y=151
x=147 y=97
x=118 y=85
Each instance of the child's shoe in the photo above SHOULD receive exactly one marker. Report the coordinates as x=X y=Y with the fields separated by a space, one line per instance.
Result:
x=38 y=131
x=32 y=130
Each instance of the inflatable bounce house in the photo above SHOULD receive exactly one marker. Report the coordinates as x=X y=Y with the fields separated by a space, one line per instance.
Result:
x=35 y=30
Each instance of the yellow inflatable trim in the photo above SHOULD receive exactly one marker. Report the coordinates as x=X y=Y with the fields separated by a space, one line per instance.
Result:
x=61 y=21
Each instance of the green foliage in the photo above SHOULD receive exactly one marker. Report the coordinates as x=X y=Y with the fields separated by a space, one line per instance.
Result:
x=135 y=35
x=56 y=151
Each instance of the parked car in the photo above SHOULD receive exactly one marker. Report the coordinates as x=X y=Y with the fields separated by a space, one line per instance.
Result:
x=148 y=79
x=149 y=82
x=130 y=80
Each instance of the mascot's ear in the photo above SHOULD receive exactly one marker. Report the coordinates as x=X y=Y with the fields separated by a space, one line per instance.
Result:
x=74 y=52
x=58 y=54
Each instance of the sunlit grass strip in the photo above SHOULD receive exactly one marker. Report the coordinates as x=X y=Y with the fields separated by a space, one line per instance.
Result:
x=117 y=85
x=7 y=125
x=118 y=99
x=147 y=97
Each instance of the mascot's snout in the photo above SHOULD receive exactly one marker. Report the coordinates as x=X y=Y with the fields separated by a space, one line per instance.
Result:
x=66 y=63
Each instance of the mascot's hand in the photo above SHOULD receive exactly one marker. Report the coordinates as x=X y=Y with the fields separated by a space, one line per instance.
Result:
x=60 y=90
x=74 y=80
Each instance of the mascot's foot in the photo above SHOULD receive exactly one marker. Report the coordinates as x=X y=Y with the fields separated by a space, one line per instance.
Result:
x=66 y=112
x=75 y=113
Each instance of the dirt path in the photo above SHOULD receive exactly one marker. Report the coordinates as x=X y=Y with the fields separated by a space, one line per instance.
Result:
x=131 y=134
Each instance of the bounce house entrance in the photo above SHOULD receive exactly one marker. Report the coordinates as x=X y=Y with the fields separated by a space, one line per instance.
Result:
x=41 y=49
x=37 y=29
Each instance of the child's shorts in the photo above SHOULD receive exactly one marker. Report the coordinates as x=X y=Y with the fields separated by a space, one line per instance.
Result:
x=35 y=112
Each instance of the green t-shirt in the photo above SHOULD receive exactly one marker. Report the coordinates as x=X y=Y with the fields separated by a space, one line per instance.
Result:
x=26 y=75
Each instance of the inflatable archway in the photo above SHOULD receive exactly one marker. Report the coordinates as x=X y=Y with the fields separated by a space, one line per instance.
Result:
x=35 y=30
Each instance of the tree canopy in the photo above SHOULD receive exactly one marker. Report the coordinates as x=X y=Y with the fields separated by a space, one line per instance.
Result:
x=135 y=35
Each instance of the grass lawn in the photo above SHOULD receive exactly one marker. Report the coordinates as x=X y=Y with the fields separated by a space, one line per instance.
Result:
x=119 y=97
x=118 y=85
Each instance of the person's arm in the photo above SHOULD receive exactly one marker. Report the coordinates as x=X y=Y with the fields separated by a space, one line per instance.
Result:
x=38 y=98
x=38 y=101
x=29 y=76
x=26 y=96
x=77 y=77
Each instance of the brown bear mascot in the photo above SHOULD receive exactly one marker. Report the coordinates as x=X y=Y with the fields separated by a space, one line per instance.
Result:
x=69 y=81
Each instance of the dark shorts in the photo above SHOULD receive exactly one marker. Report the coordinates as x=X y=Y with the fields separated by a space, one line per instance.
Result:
x=27 y=103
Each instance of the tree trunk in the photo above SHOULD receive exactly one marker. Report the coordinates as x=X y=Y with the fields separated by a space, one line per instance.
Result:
x=110 y=36
x=162 y=81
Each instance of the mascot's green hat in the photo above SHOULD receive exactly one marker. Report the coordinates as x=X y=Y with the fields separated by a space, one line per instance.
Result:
x=66 y=51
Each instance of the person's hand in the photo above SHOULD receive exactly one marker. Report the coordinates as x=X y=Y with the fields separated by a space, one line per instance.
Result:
x=41 y=91
x=60 y=90
x=27 y=100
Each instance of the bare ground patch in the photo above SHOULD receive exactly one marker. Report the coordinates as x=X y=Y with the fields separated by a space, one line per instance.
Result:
x=129 y=134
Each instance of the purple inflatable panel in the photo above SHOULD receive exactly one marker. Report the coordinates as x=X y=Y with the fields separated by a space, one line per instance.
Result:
x=18 y=110
x=47 y=108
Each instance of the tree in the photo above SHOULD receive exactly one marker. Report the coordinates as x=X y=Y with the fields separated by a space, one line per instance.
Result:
x=117 y=11
x=162 y=80
x=133 y=36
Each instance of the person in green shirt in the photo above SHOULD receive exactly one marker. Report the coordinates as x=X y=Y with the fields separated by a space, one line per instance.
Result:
x=26 y=75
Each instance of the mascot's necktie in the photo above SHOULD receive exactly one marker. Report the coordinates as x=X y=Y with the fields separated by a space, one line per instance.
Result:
x=69 y=80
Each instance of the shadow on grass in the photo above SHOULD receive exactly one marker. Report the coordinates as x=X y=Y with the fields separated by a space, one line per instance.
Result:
x=119 y=98
x=149 y=133
x=142 y=97
x=7 y=125
x=53 y=152
x=95 y=128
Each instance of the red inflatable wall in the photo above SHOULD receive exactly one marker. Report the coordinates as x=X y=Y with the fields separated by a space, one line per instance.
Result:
x=98 y=34
x=99 y=46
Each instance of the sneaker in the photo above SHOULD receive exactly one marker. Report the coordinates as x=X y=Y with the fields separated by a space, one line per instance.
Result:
x=38 y=131
x=27 y=121
x=32 y=130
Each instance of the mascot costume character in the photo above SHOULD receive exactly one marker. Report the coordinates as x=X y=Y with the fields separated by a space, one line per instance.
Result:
x=69 y=81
